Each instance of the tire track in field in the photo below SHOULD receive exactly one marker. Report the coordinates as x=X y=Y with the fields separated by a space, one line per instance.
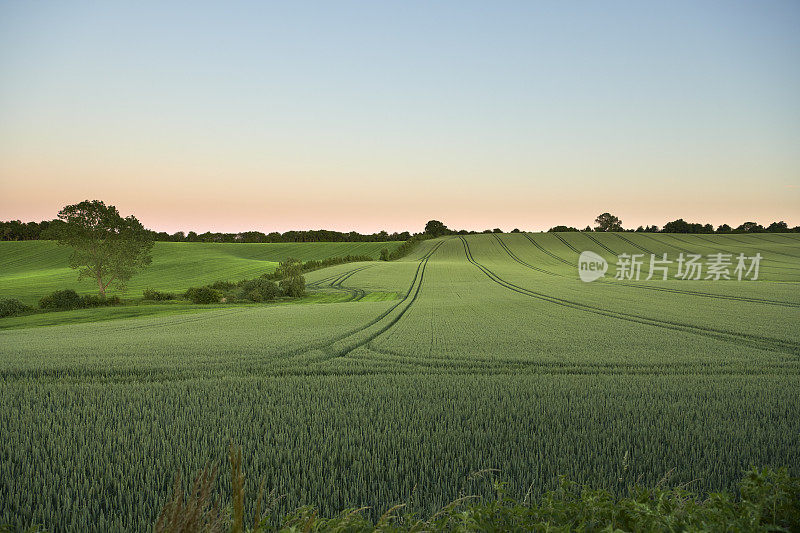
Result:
x=600 y=244
x=416 y=286
x=355 y=293
x=763 y=236
x=755 y=341
x=725 y=249
x=702 y=237
x=336 y=277
x=562 y=239
x=383 y=315
x=688 y=292
x=642 y=248
x=747 y=299
x=661 y=242
x=518 y=260
x=548 y=252
x=734 y=239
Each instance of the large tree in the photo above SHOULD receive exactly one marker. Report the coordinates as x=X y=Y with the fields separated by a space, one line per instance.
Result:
x=106 y=247
x=608 y=222
x=434 y=228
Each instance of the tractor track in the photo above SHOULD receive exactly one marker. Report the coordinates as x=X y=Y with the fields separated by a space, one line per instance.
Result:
x=642 y=248
x=548 y=252
x=755 y=341
x=726 y=249
x=416 y=286
x=337 y=277
x=734 y=239
x=598 y=243
x=748 y=299
x=568 y=245
x=668 y=244
x=518 y=260
x=355 y=293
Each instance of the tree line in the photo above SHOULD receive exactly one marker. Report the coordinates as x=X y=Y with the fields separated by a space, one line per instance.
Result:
x=609 y=222
x=15 y=230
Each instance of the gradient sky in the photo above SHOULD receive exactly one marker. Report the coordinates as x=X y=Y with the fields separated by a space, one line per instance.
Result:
x=371 y=115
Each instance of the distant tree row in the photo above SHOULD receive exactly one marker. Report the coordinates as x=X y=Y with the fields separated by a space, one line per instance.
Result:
x=14 y=230
x=609 y=222
x=434 y=229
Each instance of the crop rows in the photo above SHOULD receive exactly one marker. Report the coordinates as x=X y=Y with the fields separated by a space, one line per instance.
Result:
x=493 y=356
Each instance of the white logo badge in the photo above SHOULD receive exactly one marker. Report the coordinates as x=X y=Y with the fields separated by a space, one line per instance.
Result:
x=591 y=266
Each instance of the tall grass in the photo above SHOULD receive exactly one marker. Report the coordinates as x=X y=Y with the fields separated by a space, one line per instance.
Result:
x=766 y=500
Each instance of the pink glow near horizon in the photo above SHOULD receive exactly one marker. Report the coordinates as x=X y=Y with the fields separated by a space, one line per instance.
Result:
x=374 y=117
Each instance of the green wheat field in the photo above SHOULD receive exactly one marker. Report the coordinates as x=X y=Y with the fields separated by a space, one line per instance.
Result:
x=395 y=381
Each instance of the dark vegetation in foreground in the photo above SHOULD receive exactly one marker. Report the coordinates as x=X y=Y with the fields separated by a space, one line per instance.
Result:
x=766 y=500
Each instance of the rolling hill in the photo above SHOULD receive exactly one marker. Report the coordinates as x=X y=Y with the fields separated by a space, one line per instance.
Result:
x=495 y=355
x=32 y=269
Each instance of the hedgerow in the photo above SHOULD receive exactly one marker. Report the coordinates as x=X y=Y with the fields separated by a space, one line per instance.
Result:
x=13 y=307
x=203 y=295
x=152 y=294
x=69 y=299
x=407 y=247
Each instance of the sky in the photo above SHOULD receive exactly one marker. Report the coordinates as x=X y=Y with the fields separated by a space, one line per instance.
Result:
x=367 y=116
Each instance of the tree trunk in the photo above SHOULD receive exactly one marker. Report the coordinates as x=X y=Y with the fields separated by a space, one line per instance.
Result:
x=101 y=286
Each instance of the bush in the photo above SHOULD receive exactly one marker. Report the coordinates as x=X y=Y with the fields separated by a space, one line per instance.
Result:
x=292 y=281
x=258 y=290
x=99 y=301
x=13 y=307
x=66 y=299
x=69 y=299
x=294 y=286
x=152 y=294
x=222 y=285
x=385 y=254
x=203 y=295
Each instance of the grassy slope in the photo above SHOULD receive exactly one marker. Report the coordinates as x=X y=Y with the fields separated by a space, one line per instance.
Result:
x=29 y=270
x=487 y=365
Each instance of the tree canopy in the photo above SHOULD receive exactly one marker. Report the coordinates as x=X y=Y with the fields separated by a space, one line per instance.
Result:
x=434 y=228
x=290 y=273
x=607 y=222
x=106 y=247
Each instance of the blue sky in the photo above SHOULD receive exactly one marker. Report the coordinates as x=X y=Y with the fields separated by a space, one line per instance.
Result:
x=382 y=115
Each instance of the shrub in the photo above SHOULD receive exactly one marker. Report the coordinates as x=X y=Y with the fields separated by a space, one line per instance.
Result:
x=223 y=285
x=315 y=264
x=99 y=301
x=385 y=254
x=292 y=281
x=203 y=295
x=65 y=299
x=69 y=299
x=258 y=290
x=13 y=307
x=294 y=286
x=152 y=294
